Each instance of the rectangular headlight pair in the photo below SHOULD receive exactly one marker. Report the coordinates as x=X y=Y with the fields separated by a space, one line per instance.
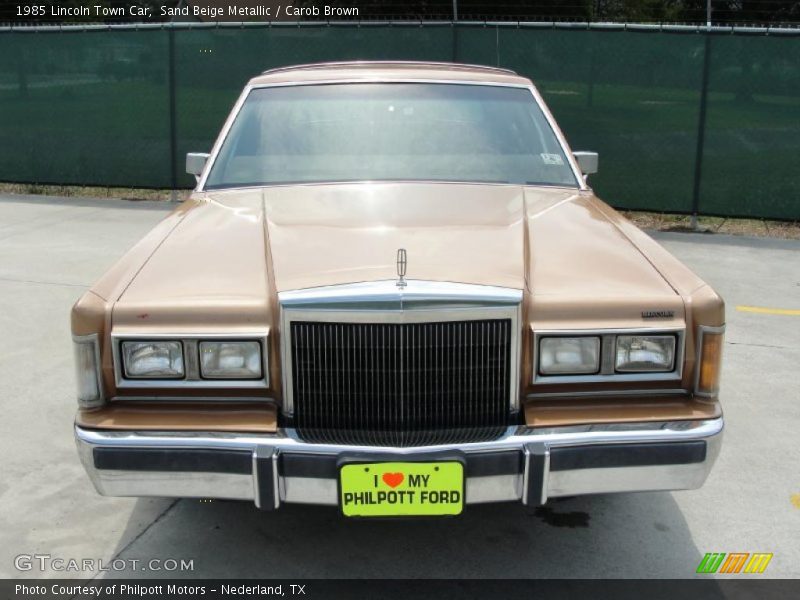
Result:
x=217 y=359
x=580 y=355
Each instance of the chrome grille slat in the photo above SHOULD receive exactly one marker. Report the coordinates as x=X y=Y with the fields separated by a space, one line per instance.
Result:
x=401 y=384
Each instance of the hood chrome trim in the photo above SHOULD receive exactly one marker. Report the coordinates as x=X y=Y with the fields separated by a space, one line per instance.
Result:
x=385 y=295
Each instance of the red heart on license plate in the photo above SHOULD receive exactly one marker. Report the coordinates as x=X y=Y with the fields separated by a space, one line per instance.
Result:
x=393 y=479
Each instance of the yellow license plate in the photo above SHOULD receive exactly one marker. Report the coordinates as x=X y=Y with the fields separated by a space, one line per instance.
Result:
x=401 y=489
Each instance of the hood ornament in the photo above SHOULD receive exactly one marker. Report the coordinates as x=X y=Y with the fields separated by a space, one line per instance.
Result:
x=402 y=261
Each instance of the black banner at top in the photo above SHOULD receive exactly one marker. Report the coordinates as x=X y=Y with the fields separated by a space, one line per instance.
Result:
x=31 y=12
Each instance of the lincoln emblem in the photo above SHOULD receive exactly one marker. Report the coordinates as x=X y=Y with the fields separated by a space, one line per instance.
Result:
x=401 y=267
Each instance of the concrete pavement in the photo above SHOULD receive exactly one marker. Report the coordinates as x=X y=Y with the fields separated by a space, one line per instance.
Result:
x=52 y=249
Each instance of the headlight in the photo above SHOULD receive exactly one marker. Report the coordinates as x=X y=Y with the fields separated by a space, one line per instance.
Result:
x=230 y=360
x=153 y=360
x=87 y=372
x=569 y=355
x=645 y=354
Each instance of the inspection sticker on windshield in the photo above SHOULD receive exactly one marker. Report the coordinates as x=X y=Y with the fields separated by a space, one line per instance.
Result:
x=552 y=159
x=400 y=489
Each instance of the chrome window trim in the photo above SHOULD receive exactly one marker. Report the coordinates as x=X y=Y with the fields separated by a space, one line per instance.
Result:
x=385 y=182
x=420 y=301
x=607 y=364
x=701 y=330
x=359 y=64
x=192 y=378
x=580 y=181
x=94 y=339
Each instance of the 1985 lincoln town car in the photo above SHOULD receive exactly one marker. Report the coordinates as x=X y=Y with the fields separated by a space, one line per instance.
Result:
x=393 y=291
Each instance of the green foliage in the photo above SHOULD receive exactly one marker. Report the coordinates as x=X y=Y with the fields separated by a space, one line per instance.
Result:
x=94 y=108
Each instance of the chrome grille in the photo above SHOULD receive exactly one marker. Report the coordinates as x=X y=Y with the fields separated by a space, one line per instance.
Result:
x=401 y=384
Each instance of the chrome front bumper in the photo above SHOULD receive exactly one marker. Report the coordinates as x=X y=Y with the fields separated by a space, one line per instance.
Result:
x=526 y=464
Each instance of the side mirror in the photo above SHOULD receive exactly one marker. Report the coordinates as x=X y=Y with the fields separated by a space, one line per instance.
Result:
x=587 y=161
x=195 y=162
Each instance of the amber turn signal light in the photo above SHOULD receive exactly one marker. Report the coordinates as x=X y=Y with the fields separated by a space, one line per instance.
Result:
x=710 y=363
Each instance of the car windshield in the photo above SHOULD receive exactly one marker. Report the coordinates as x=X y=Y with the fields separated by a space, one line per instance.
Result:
x=390 y=132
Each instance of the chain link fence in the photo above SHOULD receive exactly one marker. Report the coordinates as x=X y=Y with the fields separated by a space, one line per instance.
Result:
x=685 y=119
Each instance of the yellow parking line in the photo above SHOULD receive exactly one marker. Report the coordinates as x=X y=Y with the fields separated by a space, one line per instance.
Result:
x=769 y=311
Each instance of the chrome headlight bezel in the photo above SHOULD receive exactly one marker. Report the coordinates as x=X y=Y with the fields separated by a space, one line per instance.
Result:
x=608 y=371
x=192 y=379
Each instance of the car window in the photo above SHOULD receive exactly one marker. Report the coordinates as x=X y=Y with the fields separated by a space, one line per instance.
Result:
x=390 y=132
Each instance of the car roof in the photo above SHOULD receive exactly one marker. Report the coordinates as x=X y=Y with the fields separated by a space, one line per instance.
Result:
x=388 y=70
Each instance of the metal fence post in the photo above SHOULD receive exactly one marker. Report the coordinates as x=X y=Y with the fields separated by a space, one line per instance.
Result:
x=173 y=134
x=592 y=52
x=455 y=31
x=701 y=131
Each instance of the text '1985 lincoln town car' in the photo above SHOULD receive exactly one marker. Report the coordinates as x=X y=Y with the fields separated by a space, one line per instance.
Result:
x=392 y=291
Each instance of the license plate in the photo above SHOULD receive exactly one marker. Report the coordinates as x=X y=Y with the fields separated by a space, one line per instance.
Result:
x=401 y=489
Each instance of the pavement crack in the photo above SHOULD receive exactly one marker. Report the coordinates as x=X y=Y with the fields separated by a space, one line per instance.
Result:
x=36 y=282
x=761 y=345
x=138 y=536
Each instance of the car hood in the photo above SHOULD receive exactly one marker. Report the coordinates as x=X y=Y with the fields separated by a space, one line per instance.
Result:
x=326 y=235
x=239 y=248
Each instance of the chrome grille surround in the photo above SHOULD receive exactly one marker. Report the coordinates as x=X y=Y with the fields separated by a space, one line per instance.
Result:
x=422 y=308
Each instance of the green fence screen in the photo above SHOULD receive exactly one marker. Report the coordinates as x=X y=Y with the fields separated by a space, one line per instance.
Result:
x=122 y=107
